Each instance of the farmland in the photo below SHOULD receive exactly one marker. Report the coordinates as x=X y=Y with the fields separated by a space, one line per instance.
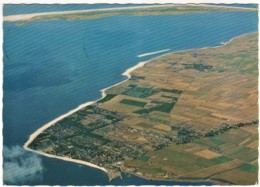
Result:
x=201 y=160
x=186 y=116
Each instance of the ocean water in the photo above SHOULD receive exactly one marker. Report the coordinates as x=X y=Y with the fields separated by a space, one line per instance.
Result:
x=53 y=66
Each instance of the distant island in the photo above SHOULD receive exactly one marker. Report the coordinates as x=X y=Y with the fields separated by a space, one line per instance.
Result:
x=167 y=9
x=187 y=116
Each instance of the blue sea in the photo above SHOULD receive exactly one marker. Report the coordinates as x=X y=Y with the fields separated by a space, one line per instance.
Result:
x=51 y=67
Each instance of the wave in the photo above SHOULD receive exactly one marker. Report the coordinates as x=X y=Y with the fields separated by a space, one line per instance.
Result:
x=152 y=53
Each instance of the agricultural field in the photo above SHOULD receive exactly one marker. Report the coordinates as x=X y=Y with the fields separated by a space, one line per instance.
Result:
x=218 y=160
x=186 y=116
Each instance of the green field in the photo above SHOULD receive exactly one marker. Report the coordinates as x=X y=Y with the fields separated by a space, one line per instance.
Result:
x=164 y=107
x=140 y=92
x=249 y=167
x=221 y=159
x=171 y=91
x=107 y=98
x=133 y=102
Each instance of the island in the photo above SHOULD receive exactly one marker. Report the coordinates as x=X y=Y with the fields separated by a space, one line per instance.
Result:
x=188 y=116
x=147 y=10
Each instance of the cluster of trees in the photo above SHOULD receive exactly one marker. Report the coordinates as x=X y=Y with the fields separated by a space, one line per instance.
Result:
x=186 y=135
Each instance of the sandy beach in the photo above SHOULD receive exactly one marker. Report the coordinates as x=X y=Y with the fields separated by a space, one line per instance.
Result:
x=152 y=53
x=127 y=73
x=24 y=17
x=68 y=159
x=44 y=127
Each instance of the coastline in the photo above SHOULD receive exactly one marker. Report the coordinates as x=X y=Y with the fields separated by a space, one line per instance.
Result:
x=24 y=17
x=44 y=127
x=127 y=73
x=152 y=53
x=68 y=159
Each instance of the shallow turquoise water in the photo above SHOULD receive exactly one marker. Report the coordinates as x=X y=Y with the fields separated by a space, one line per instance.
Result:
x=52 y=67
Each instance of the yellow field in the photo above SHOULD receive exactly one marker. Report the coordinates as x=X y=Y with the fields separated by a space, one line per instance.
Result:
x=207 y=154
x=163 y=127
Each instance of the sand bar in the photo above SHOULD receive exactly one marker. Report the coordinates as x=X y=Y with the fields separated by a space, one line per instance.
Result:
x=153 y=53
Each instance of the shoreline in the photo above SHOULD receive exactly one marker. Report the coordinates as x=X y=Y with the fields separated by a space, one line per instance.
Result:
x=127 y=73
x=68 y=159
x=47 y=125
x=24 y=17
x=152 y=53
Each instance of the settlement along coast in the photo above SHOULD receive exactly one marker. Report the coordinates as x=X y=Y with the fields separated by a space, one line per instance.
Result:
x=157 y=125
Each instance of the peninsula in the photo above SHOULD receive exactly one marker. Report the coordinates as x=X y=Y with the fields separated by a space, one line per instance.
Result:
x=185 y=116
